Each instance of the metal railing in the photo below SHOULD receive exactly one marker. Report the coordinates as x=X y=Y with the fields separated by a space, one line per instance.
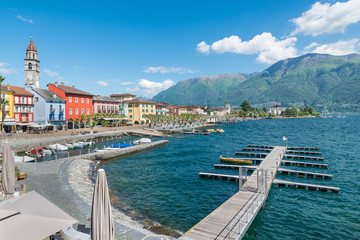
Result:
x=235 y=228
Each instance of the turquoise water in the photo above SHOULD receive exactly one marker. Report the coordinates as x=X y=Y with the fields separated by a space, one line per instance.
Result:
x=163 y=184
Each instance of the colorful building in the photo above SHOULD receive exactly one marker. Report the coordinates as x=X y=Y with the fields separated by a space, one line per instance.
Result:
x=49 y=108
x=123 y=105
x=105 y=105
x=139 y=107
x=161 y=108
x=8 y=95
x=77 y=102
x=23 y=105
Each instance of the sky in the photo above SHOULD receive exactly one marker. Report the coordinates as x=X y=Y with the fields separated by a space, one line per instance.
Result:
x=144 y=47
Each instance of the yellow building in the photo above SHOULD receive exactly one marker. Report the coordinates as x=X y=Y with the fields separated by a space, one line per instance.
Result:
x=139 y=107
x=8 y=94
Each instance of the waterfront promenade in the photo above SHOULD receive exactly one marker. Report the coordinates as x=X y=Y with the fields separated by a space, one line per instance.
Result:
x=234 y=217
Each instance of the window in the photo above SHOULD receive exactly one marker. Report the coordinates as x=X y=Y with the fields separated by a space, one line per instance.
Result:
x=30 y=66
x=82 y=111
x=87 y=101
x=87 y=112
x=147 y=105
x=82 y=100
x=16 y=99
x=23 y=109
x=30 y=117
x=152 y=110
x=103 y=108
x=147 y=110
x=76 y=100
x=60 y=109
x=36 y=99
x=143 y=105
x=130 y=110
x=130 y=105
x=70 y=100
x=31 y=109
x=136 y=105
x=108 y=108
x=17 y=109
x=98 y=108
x=29 y=100
x=130 y=116
x=51 y=108
x=17 y=118
x=143 y=110
x=70 y=111
x=76 y=111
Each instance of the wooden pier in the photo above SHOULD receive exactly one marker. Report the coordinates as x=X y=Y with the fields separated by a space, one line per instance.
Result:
x=234 y=217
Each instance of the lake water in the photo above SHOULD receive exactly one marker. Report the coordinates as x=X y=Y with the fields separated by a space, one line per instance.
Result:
x=163 y=184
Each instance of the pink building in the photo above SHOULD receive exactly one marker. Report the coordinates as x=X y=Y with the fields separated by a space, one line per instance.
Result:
x=105 y=105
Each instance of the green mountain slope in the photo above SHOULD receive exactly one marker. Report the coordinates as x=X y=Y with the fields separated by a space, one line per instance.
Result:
x=313 y=79
x=204 y=90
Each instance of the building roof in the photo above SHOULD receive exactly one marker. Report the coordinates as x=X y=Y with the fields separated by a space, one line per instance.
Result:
x=48 y=95
x=70 y=90
x=6 y=88
x=137 y=100
x=21 y=91
x=104 y=99
x=31 y=46
x=122 y=95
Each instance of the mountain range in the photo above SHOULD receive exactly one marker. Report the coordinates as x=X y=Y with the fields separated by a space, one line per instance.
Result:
x=319 y=80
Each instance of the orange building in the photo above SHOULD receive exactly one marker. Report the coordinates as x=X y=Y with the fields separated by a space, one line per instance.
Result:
x=77 y=102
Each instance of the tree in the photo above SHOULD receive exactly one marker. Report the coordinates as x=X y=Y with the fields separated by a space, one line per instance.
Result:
x=3 y=104
x=245 y=106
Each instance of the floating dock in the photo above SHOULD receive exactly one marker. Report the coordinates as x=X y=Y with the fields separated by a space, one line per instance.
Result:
x=252 y=154
x=307 y=186
x=234 y=217
x=303 y=164
x=288 y=148
x=288 y=156
x=303 y=152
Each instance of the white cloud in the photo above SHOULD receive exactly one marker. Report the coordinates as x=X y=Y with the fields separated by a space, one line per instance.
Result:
x=24 y=19
x=127 y=83
x=337 y=48
x=4 y=68
x=53 y=74
x=102 y=83
x=148 y=89
x=327 y=18
x=268 y=48
x=203 y=47
x=162 y=69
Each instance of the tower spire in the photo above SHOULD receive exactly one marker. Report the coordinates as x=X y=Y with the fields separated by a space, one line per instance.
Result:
x=32 y=66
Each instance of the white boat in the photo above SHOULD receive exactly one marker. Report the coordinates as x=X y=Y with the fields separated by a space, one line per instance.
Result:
x=47 y=151
x=142 y=141
x=89 y=142
x=78 y=145
x=24 y=159
x=58 y=147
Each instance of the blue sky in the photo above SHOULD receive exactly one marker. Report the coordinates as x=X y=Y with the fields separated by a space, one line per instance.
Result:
x=143 y=47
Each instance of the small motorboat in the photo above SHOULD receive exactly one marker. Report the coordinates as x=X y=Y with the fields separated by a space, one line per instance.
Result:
x=47 y=152
x=235 y=160
x=121 y=145
x=19 y=159
x=142 y=141
x=84 y=144
x=58 y=147
x=78 y=145
x=36 y=152
x=69 y=146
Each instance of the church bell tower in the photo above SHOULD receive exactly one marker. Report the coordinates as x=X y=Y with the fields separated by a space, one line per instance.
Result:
x=32 y=66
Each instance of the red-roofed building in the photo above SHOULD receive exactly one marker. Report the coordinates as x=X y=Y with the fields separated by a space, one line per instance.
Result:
x=23 y=105
x=77 y=101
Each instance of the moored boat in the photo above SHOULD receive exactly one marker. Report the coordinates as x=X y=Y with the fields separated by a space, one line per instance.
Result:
x=58 y=147
x=235 y=160
x=36 y=152
x=142 y=141
x=69 y=146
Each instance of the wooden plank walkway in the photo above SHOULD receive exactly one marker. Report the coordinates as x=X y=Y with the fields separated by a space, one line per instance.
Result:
x=214 y=224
